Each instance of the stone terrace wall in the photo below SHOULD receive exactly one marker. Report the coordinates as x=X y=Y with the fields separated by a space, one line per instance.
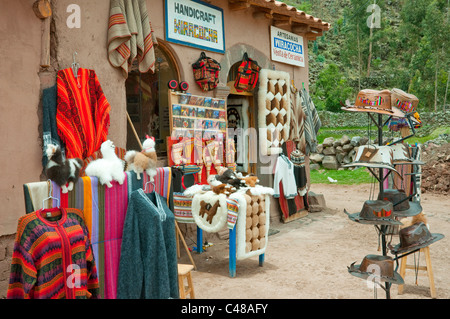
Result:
x=360 y=119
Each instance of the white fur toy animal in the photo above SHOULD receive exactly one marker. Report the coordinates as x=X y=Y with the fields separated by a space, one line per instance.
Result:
x=108 y=168
x=144 y=160
x=62 y=172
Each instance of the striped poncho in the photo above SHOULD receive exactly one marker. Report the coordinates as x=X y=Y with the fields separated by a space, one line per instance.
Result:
x=82 y=115
x=52 y=257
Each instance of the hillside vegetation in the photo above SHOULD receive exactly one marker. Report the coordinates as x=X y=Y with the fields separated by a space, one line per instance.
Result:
x=407 y=48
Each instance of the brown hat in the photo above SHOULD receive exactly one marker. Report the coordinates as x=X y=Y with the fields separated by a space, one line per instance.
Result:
x=375 y=212
x=379 y=267
x=374 y=101
x=414 y=237
x=402 y=206
x=406 y=102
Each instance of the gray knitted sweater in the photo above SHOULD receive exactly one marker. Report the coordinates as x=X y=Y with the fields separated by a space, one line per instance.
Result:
x=148 y=259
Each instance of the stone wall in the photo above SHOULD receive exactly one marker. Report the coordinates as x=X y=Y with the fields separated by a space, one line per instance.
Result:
x=430 y=120
x=333 y=153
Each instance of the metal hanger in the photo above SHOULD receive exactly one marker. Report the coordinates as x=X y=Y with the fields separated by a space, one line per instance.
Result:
x=50 y=192
x=75 y=65
x=149 y=182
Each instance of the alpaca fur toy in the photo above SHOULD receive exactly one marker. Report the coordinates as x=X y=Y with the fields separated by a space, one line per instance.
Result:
x=144 y=160
x=250 y=180
x=227 y=176
x=62 y=171
x=108 y=168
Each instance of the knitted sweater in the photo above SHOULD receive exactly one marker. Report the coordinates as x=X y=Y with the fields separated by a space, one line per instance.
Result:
x=284 y=173
x=52 y=257
x=148 y=257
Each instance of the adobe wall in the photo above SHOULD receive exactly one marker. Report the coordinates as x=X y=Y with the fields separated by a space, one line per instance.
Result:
x=22 y=81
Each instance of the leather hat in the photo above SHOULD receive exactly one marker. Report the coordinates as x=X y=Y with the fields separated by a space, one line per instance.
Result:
x=375 y=212
x=374 y=156
x=374 y=101
x=414 y=237
x=401 y=155
x=379 y=267
x=406 y=102
x=402 y=206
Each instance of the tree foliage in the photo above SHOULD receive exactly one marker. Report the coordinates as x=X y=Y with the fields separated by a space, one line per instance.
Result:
x=409 y=50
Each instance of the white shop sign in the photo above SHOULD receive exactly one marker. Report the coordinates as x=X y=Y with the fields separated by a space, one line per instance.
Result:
x=286 y=47
x=195 y=24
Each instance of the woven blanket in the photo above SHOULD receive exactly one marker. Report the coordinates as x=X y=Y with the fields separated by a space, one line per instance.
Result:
x=82 y=115
x=298 y=117
x=130 y=36
x=274 y=117
x=312 y=122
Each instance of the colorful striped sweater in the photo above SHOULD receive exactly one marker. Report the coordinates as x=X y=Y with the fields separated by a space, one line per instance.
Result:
x=52 y=257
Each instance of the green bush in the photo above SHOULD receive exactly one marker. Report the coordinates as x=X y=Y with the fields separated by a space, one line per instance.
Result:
x=330 y=89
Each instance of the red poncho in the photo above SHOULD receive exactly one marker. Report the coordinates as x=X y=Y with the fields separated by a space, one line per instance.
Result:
x=82 y=115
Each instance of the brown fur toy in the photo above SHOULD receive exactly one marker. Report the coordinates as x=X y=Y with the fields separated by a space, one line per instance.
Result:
x=408 y=221
x=250 y=180
x=144 y=160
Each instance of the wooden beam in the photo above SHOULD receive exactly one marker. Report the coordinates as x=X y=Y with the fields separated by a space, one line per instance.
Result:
x=241 y=5
x=279 y=20
x=300 y=28
x=262 y=14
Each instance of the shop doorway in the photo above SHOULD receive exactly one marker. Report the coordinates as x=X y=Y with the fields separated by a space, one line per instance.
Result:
x=241 y=117
x=147 y=101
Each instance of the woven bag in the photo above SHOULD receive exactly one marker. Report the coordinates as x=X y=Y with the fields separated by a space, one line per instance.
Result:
x=248 y=73
x=206 y=72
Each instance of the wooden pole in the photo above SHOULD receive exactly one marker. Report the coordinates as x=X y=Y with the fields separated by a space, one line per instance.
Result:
x=134 y=130
x=45 y=37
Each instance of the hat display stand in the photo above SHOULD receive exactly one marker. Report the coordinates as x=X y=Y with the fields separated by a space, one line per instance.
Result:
x=380 y=176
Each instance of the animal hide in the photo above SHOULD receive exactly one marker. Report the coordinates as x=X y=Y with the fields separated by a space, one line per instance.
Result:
x=252 y=226
x=210 y=211
x=273 y=110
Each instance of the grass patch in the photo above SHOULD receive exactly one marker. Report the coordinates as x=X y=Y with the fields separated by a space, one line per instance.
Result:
x=434 y=134
x=343 y=177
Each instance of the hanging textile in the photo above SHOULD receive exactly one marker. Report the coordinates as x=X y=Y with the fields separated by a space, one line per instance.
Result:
x=104 y=211
x=312 y=122
x=130 y=36
x=148 y=263
x=82 y=112
x=49 y=126
x=298 y=117
x=49 y=251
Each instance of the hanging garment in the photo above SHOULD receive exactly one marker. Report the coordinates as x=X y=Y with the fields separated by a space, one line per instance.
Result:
x=130 y=36
x=148 y=260
x=284 y=173
x=312 y=122
x=52 y=257
x=298 y=117
x=49 y=126
x=82 y=112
